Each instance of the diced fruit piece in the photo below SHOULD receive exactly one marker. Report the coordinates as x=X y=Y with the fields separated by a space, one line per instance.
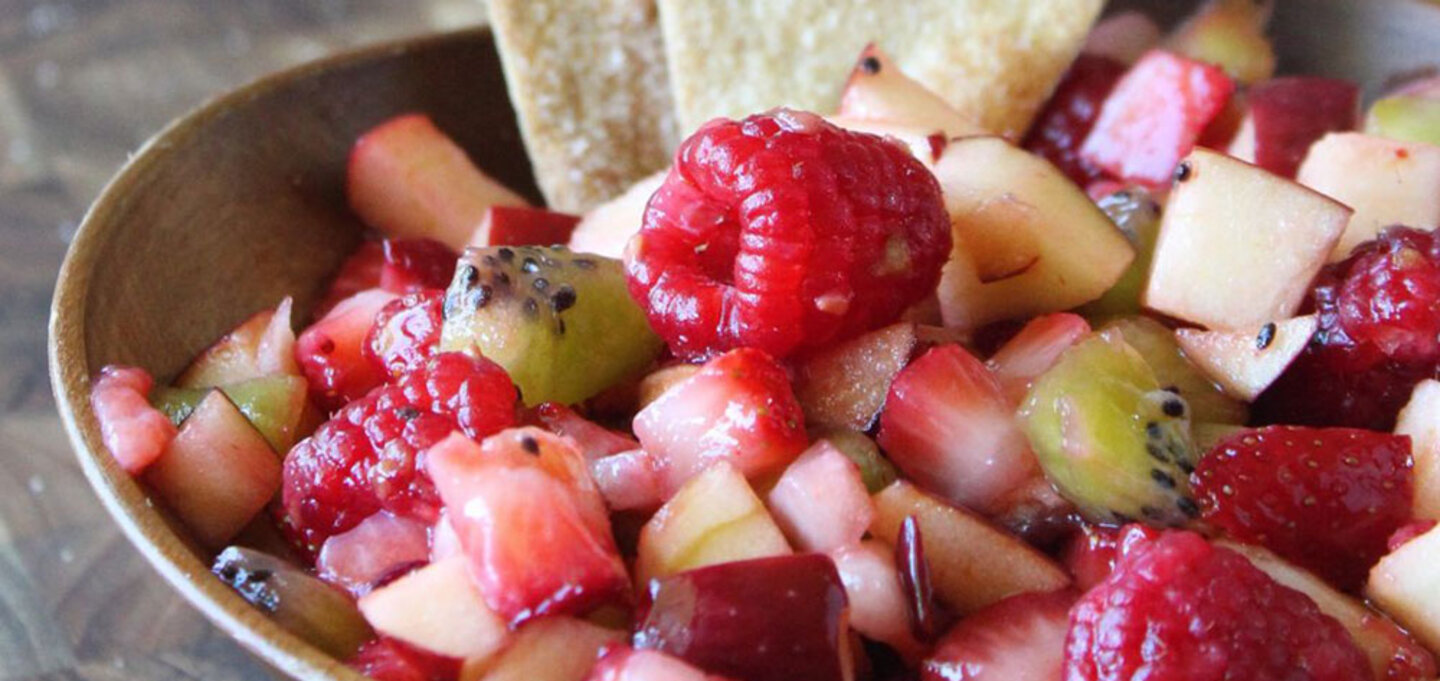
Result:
x=1326 y=498
x=949 y=427
x=1136 y=212
x=1174 y=370
x=331 y=352
x=844 y=386
x=561 y=323
x=715 y=518
x=1386 y=182
x=926 y=144
x=553 y=648
x=305 y=606
x=1406 y=586
x=606 y=229
x=738 y=408
x=1033 y=351
x=1393 y=655
x=1021 y=638
x=660 y=381
x=772 y=233
x=875 y=469
x=437 y=608
x=406 y=332
x=135 y=432
x=1411 y=114
x=878 y=603
x=259 y=346
x=1420 y=420
x=972 y=563
x=523 y=226
x=624 y=664
x=1245 y=363
x=387 y=659
x=1124 y=36
x=632 y=480
x=533 y=526
x=217 y=473
x=360 y=271
x=1229 y=34
x=1091 y=554
x=414 y=265
x=820 y=501
x=1026 y=240
x=408 y=180
x=1153 y=117
x=1178 y=608
x=444 y=541
x=1287 y=115
x=1068 y=117
x=769 y=619
x=277 y=405
x=1109 y=437
x=379 y=547
x=878 y=90
x=594 y=441
x=1238 y=246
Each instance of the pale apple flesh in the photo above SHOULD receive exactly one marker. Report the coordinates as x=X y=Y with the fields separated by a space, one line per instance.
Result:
x=878 y=90
x=1420 y=419
x=1386 y=182
x=1406 y=585
x=454 y=621
x=1244 y=363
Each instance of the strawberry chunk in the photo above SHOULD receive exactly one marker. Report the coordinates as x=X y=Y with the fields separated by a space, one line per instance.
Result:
x=134 y=432
x=360 y=271
x=413 y=265
x=1034 y=350
x=594 y=440
x=524 y=226
x=1070 y=114
x=1021 y=637
x=1325 y=498
x=622 y=663
x=386 y=659
x=331 y=352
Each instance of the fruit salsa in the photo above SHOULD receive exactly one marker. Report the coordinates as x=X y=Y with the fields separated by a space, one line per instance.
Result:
x=1147 y=393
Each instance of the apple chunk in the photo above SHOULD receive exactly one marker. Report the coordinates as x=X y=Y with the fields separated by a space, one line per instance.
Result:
x=1027 y=240
x=555 y=648
x=1287 y=115
x=1238 y=246
x=1420 y=419
x=1410 y=114
x=608 y=227
x=844 y=386
x=523 y=226
x=879 y=91
x=1386 y=182
x=437 y=608
x=1406 y=585
x=1244 y=363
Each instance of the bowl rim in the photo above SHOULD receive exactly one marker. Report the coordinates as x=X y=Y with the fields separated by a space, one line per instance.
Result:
x=123 y=498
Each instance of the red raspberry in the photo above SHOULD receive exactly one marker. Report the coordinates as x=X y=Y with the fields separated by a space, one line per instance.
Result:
x=1070 y=114
x=1179 y=609
x=406 y=331
x=370 y=455
x=413 y=265
x=1391 y=296
x=386 y=659
x=782 y=232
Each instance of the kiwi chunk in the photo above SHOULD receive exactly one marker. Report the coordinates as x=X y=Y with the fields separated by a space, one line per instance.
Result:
x=1137 y=214
x=1156 y=343
x=1109 y=437
x=307 y=607
x=275 y=405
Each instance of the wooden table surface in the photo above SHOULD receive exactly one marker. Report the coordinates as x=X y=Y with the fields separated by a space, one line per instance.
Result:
x=83 y=83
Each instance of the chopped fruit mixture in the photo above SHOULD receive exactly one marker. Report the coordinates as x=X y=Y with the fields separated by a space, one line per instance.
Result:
x=873 y=396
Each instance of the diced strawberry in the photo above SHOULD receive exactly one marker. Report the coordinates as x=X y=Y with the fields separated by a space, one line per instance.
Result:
x=1154 y=115
x=821 y=502
x=1090 y=557
x=622 y=663
x=949 y=426
x=594 y=440
x=134 y=432
x=415 y=265
x=630 y=480
x=1034 y=350
x=1068 y=117
x=1018 y=639
x=444 y=542
x=386 y=659
x=878 y=607
x=379 y=547
x=331 y=353
x=532 y=525
x=525 y=226
x=360 y=271
x=739 y=408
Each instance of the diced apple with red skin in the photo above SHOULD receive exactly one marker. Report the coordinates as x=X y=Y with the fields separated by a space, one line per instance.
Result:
x=820 y=501
x=259 y=346
x=1287 y=115
x=530 y=521
x=1244 y=363
x=331 y=352
x=523 y=226
x=738 y=408
x=1394 y=656
x=1420 y=419
x=878 y=90
x=1124 y=37
x=1021 y=638
x=379 y=547
x=1154 y=116
x=1231 y=35
x=1238 y=246
x=1027 y=240
x=1406 y=586
x=770 y=619
x=592 y=439
x=714 y=518
x=1410 y=114
x=608 y=227
x=134 y=432
x=554 y=648
x=844 y=386
x=626 y=664
x=950 y=428
x=278 y=405
x=879 y=608
x=1033 y=351
x=408 y=179
x=217 y=473
x=630 y=480
x=972 y=563
x=1386 y=182
x=437 y=608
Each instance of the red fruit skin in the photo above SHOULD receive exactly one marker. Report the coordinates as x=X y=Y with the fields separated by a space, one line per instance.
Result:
x=332 y=353
x=360 y=271
x=1071 y=113
x=414 y=265
x=593 y=440
x=1021 y=637
x=1178 y=609
x=526 y=226
x=134 y=432
x=783 y=232
x=1290 y=113
x=386 y=659
x=1325 y=498
x=406 y=331
x=1153 y=117
x=1408 y=532
x=1091 y=555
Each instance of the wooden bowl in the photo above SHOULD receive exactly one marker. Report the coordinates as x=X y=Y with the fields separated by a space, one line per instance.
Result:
x=241 y=202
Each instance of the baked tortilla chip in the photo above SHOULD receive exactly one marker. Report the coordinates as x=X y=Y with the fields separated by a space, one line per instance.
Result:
x=993 y=60
x=589 y=83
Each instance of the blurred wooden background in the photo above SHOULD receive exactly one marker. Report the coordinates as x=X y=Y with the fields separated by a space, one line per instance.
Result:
x=82 y=83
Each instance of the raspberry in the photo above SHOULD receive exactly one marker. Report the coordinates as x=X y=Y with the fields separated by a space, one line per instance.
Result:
x=1179 y=609
x=782 y=232
x=369 y=456
x=1071 y=113
x=406 y=331
x=1391 y=296
x=1325 y=498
